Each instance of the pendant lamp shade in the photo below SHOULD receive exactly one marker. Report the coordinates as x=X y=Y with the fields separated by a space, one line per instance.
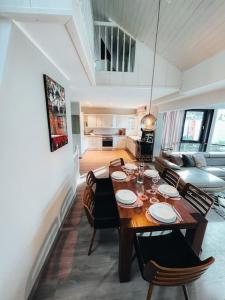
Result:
x=148 y=122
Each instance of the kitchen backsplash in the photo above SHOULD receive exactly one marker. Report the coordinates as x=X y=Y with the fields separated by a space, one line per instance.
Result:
x=110 y=131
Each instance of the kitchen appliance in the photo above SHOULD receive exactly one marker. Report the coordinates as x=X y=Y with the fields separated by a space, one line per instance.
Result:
x=107 y=142
x=145 y=146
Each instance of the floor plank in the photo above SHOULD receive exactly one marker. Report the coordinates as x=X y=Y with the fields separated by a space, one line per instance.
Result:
x=72 y=275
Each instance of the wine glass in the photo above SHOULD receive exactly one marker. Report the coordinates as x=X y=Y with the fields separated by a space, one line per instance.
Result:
x=140 y=190
x=165 y=196
x=155 y=180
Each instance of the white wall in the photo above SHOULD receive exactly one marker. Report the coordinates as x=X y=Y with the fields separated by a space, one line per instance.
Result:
x=214 y=99
x=166 y=75
x=5 y=27
x=34 y=181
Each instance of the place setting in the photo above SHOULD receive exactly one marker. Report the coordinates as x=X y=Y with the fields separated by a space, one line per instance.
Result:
x=163 y=212
x=128 y=199
x=131 y=170
x=168 y=192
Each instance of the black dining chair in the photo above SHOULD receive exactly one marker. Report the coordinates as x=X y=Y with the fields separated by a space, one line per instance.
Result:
x=99 y=215
x=102 y=187
x=168 y=260
x=171 y=177
x=201 y=201
x=117 y=162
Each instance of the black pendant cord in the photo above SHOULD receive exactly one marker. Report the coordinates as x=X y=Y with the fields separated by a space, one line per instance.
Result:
x=154 y=57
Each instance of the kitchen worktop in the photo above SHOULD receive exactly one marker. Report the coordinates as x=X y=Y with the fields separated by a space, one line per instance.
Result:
x=104 y=135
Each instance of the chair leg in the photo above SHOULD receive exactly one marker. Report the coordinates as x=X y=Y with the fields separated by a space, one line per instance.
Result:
x=92 y=241
x=150 y=290
x=185 y=292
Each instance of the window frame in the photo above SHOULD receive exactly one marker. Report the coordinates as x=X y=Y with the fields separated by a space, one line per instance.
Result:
x=205 y=129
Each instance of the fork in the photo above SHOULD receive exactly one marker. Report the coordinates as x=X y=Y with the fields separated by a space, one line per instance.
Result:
x=177 y=213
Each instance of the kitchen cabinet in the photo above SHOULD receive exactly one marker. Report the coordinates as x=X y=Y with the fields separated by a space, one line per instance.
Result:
x=121 y=121
x=131 y=146
x=93 y=142
x=119 y=142
x=107 y=121
x=100 y=121
x=111 y=121
x=91 y=121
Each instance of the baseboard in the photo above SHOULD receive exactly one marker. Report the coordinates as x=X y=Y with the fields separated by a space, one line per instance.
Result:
x=37 y=280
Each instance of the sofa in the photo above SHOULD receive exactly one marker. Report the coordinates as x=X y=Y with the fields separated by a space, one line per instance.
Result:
x=206 y=170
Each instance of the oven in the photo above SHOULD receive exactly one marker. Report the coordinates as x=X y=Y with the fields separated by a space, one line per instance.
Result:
x=107 y=142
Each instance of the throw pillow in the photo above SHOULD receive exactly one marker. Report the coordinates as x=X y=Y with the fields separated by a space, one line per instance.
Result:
x=168 y=164
x=200 y=160
x=165 y=154
x=176 y=159
x=188 y=160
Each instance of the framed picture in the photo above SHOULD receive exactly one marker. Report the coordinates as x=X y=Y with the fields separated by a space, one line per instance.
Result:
x=56 y=112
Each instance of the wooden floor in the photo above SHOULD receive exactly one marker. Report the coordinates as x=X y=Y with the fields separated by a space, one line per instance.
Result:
x=72 y=275
x=98 y=160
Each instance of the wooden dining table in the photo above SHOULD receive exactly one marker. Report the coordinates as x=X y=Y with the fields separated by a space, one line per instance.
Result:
x=134 y=220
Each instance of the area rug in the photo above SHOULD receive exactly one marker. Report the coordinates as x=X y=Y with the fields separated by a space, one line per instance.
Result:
x=219 y=204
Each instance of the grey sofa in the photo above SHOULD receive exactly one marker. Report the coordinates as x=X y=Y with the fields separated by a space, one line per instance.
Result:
x=210 y=178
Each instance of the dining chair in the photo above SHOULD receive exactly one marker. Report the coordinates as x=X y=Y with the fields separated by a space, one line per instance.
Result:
x=99 y=216
x=168 y=260
x=201 y=201
x=171 y=177
x=117 y=162
x=102 y=187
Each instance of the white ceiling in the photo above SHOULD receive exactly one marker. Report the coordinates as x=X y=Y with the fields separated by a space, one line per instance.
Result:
x=190 y=31
x=124 y=97
x=56 y=43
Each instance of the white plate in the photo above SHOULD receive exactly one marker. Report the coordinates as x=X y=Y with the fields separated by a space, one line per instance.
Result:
x=119 y=175
x=130 y=166
x=162 y=212
x=126 y=197
x=168 y=190
x=151 y=173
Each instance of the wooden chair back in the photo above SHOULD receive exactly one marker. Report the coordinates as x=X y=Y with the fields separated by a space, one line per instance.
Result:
x=90 y=179
x=171 y=177
x=88 y=203
x=159 y=275
x=117 y=162
x=201 y=201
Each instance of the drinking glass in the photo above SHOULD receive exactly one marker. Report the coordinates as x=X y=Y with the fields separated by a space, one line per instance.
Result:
x=165 y=196
x=140 y=176
x=140 y=189
x=155 y=180
x=153 y=200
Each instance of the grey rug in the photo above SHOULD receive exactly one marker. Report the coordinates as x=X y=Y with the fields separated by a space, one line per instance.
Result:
x=219 y=204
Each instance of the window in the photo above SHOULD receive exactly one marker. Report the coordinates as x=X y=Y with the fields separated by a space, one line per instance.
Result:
x=193 y=126
x=195 y=132
x=218 y=136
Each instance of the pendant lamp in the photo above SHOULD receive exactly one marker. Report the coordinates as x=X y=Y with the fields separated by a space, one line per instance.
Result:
x=148 y=121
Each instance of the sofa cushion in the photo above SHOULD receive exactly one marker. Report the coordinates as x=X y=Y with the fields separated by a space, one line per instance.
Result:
x=220 y=172
x=176 y=159
x=200 y=178
x=217 y=154
x=215 y=161
x=200 y=160
x=169 y=164
x=188 y=160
